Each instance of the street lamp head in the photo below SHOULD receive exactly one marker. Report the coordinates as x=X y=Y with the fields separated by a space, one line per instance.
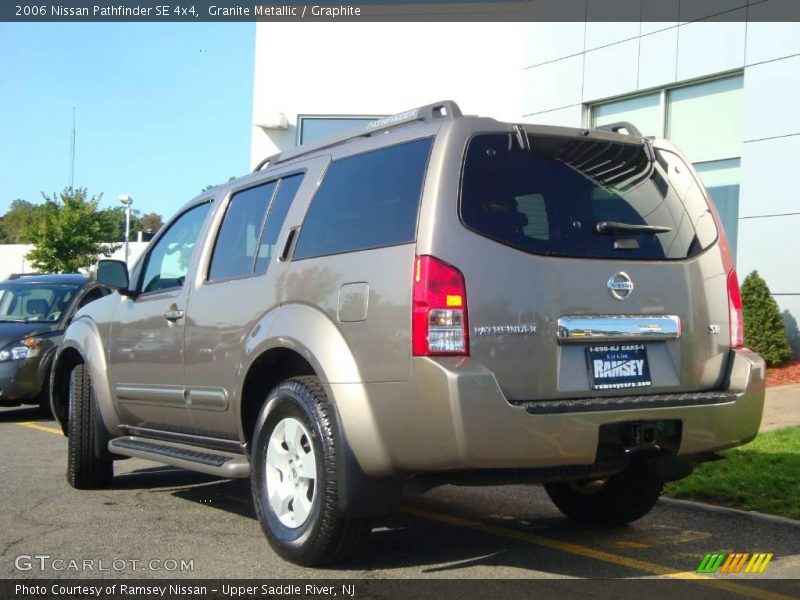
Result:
x=125 y=199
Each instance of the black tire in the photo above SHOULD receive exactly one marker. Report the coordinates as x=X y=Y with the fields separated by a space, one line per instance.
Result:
x=625 y=497
x=85 y=469
x=327 y=535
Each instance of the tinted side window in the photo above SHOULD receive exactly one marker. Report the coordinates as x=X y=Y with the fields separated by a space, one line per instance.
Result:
x=275 y=218
x=701 y=229
x=366 y=201
x=235 y=248
x=168 y=261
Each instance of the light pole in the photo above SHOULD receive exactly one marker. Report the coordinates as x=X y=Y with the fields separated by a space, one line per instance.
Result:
x=126 y=201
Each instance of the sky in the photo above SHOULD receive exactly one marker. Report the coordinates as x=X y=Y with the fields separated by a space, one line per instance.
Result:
x=162 y=109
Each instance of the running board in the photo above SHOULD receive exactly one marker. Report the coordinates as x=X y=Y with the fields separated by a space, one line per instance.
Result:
x=185 y=456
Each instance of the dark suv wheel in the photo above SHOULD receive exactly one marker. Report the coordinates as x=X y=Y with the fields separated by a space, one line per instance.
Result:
x=293 y=476
x=619 y=499
x=85 y=469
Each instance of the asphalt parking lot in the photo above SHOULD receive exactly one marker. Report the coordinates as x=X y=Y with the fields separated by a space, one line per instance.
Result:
x=155 y=516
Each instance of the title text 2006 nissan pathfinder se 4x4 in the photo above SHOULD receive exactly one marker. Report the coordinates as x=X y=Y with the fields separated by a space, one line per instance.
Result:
x=432 y=299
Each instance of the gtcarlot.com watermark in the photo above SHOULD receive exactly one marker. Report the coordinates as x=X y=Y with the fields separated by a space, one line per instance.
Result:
x=45 y=563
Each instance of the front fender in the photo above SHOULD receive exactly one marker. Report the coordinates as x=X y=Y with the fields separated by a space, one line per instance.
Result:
x=311 y=333
x=84 y=337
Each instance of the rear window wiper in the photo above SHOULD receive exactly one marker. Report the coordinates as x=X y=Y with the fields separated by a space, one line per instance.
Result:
x=615 y=227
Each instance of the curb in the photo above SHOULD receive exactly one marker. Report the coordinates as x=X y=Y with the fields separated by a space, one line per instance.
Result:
x=733 y=512
x=783 y=386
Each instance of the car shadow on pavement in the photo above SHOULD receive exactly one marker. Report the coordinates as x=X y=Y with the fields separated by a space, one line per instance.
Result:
x=24 y=414
x=160 y=477
x=443 y=550
x=402 y=541
x=452 y=534
x=231 y=495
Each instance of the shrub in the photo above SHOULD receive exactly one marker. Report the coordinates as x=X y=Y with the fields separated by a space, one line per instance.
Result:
x=764 y=329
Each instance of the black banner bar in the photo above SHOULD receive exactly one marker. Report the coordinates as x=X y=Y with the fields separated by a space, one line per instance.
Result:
x=155 y=11
x=389 y=589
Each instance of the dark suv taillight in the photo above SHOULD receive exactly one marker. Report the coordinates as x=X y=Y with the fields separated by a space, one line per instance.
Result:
x=735 y=314
x=439 y=319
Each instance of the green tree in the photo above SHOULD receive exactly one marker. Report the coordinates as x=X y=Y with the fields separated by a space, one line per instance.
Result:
x=764 y=329
x=20 y=216
x=71 y=234
x=152 y=222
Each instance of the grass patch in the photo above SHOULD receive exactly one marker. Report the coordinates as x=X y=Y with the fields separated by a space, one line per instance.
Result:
x=763 y=475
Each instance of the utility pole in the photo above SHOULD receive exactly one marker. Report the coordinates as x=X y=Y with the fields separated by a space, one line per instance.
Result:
x=126 y=201
x=72 y=154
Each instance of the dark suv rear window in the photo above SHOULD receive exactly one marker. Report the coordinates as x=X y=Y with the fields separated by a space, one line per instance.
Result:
x=579 y=197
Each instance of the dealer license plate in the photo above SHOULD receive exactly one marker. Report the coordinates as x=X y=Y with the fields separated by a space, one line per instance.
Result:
x=616 y=367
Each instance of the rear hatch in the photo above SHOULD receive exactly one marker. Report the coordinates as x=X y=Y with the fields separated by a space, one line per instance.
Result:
x=593 y=268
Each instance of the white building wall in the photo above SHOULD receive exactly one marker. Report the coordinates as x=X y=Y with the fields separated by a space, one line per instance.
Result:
x=572 y=65
x=12 y=257
x=381 y=68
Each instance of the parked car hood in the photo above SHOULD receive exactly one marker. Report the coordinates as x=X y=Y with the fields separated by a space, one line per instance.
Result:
x=13 y=332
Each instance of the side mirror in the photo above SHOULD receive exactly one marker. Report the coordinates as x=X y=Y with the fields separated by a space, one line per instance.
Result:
x=113 y=274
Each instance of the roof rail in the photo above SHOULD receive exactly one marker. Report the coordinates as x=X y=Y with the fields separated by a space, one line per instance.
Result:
x=446 y=109
x=617 y=127
x=19 y=275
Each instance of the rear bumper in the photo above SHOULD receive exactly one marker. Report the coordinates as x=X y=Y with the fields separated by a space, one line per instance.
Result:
x=452 y=415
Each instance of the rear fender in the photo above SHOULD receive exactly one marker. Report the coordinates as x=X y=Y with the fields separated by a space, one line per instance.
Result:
x=311 y=334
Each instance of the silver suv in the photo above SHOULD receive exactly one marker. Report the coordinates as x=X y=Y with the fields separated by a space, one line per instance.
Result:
x=431 y=299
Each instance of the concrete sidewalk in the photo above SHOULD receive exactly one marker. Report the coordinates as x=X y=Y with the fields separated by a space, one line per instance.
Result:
x=781 y=407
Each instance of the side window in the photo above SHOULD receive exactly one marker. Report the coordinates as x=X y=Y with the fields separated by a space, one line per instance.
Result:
x=698 y=231
x=277 y=214
x=91 y=296
x=237 y=241
x=366 y=201
x=168 y=260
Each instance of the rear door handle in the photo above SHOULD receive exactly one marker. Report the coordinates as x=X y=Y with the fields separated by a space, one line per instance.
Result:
x=288 y=246
x=173 y=315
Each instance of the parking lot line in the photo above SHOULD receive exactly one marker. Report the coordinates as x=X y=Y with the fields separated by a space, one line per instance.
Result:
x=37 y=427
x=586 y=551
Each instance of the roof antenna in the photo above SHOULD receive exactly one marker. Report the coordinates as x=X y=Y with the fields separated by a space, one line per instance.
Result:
x=72 y=153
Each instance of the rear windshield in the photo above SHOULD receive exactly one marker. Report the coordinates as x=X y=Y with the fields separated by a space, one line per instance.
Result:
x=580 y=198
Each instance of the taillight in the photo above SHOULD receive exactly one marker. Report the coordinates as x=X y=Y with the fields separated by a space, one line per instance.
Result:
x=735 y=315
x=439 y=318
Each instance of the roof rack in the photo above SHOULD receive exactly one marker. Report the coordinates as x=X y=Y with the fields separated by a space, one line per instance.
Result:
x=446 y=109
x=619 y=126
x=19 y=275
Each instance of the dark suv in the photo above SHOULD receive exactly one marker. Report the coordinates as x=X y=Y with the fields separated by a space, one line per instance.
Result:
x=34 y=312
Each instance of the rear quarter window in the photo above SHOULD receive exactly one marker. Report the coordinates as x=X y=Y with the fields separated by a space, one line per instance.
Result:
x=555 y=198
x=237 y=241
x=365 y=201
